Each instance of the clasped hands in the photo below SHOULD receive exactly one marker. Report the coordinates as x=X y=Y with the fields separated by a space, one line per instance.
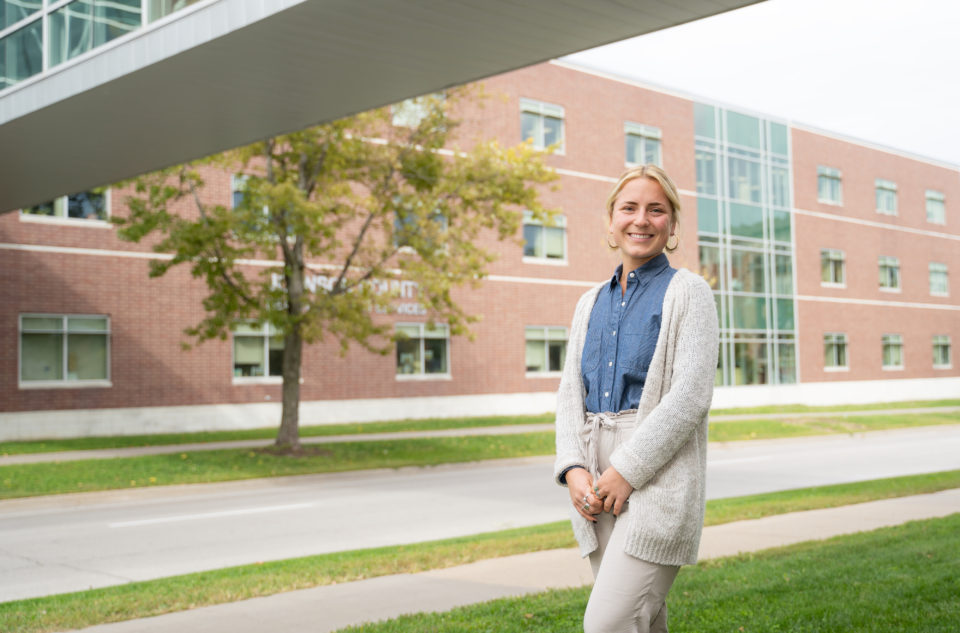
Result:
x=606 y=494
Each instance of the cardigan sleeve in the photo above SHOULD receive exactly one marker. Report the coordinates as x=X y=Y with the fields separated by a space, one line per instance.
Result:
x=570 y=400
x=691 y=343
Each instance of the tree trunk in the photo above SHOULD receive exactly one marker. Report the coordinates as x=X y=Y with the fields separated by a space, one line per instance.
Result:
x=288 y=436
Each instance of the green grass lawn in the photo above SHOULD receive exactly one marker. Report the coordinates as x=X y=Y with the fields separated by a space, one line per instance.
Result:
x=791 y=426
x=206 y=466
x=904 y=579
x=26 y=480
x=165 y=595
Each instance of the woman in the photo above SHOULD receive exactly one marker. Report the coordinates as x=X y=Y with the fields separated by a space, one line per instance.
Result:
x=632 y=411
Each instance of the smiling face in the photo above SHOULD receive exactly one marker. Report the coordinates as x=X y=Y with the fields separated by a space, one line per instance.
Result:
x=641 y=222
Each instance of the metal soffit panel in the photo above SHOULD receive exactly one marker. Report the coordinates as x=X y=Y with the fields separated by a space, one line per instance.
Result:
x=190 y=86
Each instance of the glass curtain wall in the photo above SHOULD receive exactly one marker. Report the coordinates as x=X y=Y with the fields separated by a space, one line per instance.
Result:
x=73 y=27
x=745 y=234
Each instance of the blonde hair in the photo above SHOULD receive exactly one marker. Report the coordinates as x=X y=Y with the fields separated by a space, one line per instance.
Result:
x=658 y=175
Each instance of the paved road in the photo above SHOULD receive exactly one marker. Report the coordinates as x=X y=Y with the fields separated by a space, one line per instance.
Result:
x=73 y=542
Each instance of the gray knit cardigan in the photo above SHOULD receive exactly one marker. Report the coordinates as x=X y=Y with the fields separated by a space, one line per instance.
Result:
x=665 y=459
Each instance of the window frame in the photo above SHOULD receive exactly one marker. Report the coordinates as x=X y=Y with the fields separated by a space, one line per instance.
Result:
x=932 y=195
x=543 y=109
x=840 y=343
x=267 y=331
x=943 y=342
x=837 y=259
x=645 y=134
x=892 y=341
x=558 y=220
x=889 y=263
x=423 y=334
x=834 y=176
x=65 y=382
x=938 y=268
x=546 y=339
x=65 y=220
x=890 y=192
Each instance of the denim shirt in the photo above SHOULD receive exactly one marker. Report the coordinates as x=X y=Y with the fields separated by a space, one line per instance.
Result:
x=622 y=336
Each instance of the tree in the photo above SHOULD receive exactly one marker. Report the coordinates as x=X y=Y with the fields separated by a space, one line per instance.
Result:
x=370 y=198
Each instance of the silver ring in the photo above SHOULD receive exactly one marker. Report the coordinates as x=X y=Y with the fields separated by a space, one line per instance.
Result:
x=586 y=499
x=585 y=507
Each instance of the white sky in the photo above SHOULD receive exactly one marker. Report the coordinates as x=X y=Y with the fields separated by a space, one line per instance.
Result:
x=883 y=71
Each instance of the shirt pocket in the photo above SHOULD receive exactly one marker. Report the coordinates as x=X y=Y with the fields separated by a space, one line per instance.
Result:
x=591 y=350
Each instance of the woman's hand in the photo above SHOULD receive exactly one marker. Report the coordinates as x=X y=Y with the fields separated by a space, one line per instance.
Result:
x=613 y=489
x=580 y=486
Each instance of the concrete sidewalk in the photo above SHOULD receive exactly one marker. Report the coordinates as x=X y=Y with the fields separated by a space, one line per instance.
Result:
x=136 y=451
x=328 y=608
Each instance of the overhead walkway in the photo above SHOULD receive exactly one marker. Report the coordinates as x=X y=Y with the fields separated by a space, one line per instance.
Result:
x=154 y=84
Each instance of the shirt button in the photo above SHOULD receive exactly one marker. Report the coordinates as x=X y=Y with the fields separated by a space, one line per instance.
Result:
x=614 y=333
x=623 y=303
x=631 y=274
x=606 y=394
x=610 y=364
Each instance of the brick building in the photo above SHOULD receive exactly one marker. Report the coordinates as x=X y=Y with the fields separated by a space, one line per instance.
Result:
x=830 y=258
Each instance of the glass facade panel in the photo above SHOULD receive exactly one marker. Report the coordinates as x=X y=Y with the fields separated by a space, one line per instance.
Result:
x=780 y=187
x=784 y=275
x=778 y=139
x=786 y=363
x=87 y=357
x=785 y=314
x=710 y=265
x=12 y=11
x=744 y=182
x=86 y=24
x=704 y=120
x=708 y=220
x=781 y=226
x=746 y=271
x=21 y=54
x=746 y=220
x=746 y=243
x=750 y=363
x=706 y=172
x=749 y=313
x=743 y=129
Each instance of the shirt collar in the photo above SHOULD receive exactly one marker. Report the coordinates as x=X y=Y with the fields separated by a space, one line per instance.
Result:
x=648 y=270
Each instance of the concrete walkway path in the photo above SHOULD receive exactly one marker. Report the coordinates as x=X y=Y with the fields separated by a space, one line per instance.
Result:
x=328 y=608
x=108 y=453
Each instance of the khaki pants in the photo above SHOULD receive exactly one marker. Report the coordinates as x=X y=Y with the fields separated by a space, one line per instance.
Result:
x=628 y=593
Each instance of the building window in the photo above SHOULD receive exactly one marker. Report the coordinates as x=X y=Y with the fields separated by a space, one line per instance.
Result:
x=834 y=351
x=643 y=144
x=938 y=280
x=80 y=26
x=936 y=208
x=64 y=349
x=892 y=351
x=829 y=185
x=542 y=123
x=546 y=349
x=941 y=352
x=411 y=112
x=412 y=233
x=257 y=351
x=157 y=9
x=423 y=351
x=86 y=205
x=886 y=197
x=544 y=241
x=889 y=273
x=832 y=267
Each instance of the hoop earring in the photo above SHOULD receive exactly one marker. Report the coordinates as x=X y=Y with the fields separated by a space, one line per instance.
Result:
x=675 y=244
x=609 y=245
